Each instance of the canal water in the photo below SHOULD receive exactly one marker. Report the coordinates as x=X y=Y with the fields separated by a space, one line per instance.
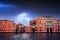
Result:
x=29 y=36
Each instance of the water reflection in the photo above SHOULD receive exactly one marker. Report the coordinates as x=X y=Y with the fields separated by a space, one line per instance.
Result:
x=30 y=36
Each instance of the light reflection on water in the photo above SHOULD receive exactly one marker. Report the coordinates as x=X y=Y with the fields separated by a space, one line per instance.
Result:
x=30 y=36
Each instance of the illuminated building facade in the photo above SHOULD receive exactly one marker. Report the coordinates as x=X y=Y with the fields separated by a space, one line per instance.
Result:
x=58 y=24
x=49 y=24
x=40 y=24
x=28 y=29
x=33 y=27
x=44 y=24
x=20 y=28
x=7 y=26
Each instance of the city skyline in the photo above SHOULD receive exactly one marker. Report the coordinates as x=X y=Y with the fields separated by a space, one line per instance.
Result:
x=40 y=24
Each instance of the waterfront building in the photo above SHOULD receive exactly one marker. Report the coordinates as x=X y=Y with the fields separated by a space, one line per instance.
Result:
x=33 y=27
x=44 y=24
x=49 y=24
x=27 y=29
x=7 y=26
x=20 y=28
x=58 y=24
x=40 y=24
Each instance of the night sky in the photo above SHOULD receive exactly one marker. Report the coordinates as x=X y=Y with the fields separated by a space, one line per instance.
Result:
x=29 y=9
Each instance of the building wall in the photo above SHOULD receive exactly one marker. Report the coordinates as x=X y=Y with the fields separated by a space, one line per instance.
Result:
x=7 y=26
x=49 y=21
x=58 y=24
x=20 y=28
x=45 y=23
x=28 y=29
x=38 y=21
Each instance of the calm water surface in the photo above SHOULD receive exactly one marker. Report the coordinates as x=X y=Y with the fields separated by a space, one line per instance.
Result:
x=29 y=36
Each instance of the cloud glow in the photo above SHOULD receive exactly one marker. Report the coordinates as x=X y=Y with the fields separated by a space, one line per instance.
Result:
x=23 y=18
x=2 y=5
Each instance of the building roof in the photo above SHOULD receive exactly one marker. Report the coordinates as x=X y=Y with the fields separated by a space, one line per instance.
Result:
x=48 y=16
